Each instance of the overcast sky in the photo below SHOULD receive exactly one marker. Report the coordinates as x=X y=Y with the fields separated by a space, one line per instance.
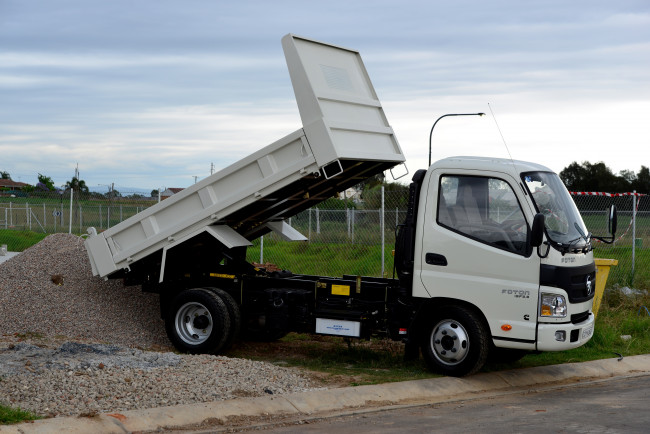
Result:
x=150 y=93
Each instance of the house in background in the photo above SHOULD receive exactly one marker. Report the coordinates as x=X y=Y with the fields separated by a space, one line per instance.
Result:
x=9 y=187
x=351 y=194
x=170 y=192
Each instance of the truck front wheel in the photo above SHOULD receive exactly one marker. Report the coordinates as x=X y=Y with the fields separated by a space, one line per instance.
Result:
x=197 y=322
x=456 y=342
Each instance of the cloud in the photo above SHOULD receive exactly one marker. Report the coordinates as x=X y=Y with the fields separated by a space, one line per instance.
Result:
x=153 y=92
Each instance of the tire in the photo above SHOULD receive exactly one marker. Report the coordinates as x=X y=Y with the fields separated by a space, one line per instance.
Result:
x=456 y=342
x=197 y=322
x=234 y=313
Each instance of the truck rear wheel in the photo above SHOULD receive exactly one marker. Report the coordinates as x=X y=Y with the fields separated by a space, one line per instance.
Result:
x=456 y=342
x=197 y=322
x=234 y=314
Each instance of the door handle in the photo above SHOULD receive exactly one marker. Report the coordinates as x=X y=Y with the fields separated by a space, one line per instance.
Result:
x=435 y=259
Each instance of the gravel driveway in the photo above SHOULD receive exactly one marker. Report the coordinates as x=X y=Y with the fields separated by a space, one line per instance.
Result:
x=73 y=344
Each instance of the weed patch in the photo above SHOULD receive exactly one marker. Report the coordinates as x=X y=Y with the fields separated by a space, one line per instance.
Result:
x=10 y=415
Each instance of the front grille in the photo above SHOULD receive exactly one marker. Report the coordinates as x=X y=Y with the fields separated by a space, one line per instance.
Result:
x=580 y=317
x=572 y=279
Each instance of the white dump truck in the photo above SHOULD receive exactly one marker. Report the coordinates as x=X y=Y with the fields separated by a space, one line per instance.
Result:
x=493 y=257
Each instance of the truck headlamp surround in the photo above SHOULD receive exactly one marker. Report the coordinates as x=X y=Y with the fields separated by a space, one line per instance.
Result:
x=553 y=306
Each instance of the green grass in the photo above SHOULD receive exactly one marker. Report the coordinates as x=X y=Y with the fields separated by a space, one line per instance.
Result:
x=9 y=415
x=17 y=241
x=325 y=259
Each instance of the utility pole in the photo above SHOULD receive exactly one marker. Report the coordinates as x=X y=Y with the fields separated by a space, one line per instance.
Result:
x=211 y=168
x=110 y=203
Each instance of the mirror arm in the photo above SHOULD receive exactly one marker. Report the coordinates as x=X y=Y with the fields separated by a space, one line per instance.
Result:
x=606 y=240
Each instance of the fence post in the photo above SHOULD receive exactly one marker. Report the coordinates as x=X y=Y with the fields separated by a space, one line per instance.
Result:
x=28 y=216
x=633 y=230
x=348 y=218
x=381 y=227
x=318 y=221
x=44 y=217
x=70 y=216
x=262 y=249
x=309 y=225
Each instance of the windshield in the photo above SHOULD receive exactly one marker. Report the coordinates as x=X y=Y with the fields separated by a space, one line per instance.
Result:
x=563 y=222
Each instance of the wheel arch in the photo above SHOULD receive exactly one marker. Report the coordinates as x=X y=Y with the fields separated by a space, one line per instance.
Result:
x=435 y=305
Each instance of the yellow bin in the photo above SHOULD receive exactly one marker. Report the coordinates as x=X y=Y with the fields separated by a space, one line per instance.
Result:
x=602 y=272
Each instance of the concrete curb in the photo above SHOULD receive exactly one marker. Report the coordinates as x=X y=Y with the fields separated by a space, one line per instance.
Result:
x=348 y=399
x=5 y=256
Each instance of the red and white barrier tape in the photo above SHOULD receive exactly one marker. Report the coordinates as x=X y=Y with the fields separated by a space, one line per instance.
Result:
x=600 y=193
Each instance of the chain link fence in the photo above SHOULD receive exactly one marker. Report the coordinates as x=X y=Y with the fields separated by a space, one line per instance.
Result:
x=354 y=240
x=358 y=238
x=26 y=215
x=632 y=243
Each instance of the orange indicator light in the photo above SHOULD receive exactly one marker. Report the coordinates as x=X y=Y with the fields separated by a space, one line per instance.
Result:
x=506 y=327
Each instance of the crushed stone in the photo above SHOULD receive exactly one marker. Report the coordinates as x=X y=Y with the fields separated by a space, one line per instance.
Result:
x=73 y=344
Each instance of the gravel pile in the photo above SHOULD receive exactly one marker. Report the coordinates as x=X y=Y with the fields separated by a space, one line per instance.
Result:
x=49 y=290
x=87 y=332
x=86 y=379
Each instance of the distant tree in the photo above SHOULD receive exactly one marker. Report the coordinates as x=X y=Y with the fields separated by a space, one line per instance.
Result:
x=371 y=182
x=593 y=177
x=4 y=175
x=336 y=204
x=76 y=184
x=45 y=183
x=628 y=175
x=372 y=196
x=154 y=193
x=112 y=194
x=642 y=182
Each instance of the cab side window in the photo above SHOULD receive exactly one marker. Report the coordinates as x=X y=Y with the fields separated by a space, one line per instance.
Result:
x=484 y=209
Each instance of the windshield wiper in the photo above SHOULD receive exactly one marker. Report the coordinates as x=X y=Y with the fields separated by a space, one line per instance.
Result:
x=567 y=247
x=587 y=238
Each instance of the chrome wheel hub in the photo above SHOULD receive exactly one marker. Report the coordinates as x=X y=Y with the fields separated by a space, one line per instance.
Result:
x=449 y=342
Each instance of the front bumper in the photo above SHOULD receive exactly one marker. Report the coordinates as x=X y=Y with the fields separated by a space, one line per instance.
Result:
x=575 y=335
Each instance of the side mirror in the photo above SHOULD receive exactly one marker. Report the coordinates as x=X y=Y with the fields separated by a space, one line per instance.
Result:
x=612 y=220
x=537 y=232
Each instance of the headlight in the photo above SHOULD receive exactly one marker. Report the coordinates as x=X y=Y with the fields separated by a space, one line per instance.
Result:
x=553 y=305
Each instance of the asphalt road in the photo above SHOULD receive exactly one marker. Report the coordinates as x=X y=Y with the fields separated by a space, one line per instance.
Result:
x=620 y=405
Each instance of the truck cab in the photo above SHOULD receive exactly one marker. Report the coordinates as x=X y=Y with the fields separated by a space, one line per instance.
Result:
x=474 y=255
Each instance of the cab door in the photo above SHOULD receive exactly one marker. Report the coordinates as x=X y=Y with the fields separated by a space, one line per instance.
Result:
x=474 y=247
